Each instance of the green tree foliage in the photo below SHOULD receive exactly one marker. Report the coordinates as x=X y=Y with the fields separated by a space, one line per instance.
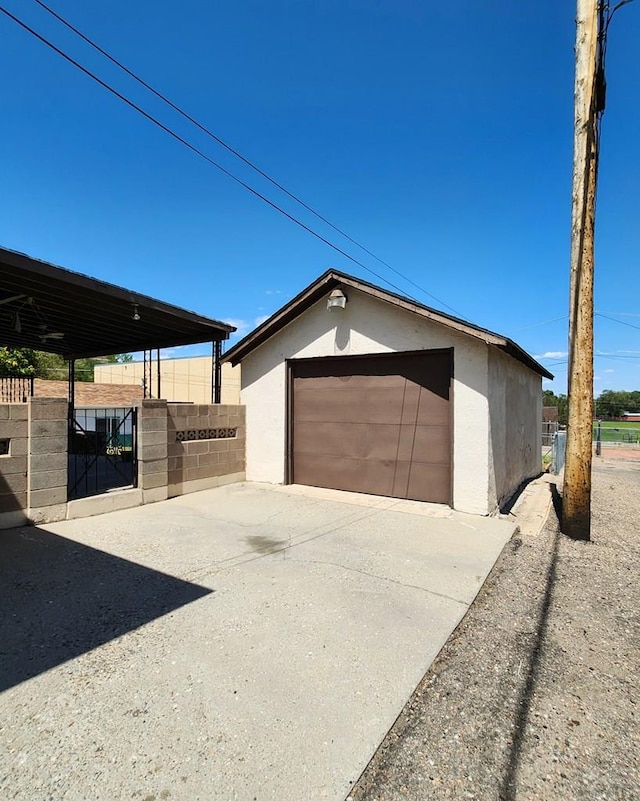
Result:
x=614 y=403
x=608 y=405
x=17 y=362
x=25 y=362
x=549 y=398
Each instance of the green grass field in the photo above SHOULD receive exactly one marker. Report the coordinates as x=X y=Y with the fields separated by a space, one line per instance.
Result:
x=614 y=431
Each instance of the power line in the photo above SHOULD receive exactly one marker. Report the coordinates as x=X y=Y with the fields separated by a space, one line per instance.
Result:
x=231 y=149
x=620 y=314
x=621 y=322
x=544 y=322
x=211 y=161
x=615 y=356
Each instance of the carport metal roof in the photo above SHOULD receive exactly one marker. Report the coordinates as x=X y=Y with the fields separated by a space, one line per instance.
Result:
x=50 y=308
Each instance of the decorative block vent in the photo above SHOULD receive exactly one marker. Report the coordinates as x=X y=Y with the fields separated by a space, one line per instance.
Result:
x=206 y=433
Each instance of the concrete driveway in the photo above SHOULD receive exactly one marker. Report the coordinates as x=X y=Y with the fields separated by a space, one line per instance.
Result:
x=248 y=642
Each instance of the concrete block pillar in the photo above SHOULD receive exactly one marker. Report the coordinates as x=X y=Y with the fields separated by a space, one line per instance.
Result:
x=153 y=462
x=47 y=459
x=14 y=432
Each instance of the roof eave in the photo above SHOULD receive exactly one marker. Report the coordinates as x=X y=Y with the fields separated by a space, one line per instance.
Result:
x=516 y=352
x=332 y=279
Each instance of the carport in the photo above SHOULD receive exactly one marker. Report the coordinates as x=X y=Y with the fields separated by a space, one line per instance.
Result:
x=49 y=308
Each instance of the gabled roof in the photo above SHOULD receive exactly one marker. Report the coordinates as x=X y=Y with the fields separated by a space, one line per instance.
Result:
x=54 y=309
x=333 y=279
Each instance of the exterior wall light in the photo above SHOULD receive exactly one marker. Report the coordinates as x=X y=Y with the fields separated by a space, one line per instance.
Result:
x=336 y=300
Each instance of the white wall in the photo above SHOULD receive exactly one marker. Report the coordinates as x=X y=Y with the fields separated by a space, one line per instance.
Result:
x=368 y=325
x=515 y=426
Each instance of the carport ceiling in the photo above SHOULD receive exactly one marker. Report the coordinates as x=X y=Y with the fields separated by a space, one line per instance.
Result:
x=49 y=308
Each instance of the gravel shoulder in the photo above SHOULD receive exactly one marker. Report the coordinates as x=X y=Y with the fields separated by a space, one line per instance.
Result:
x=535 y=696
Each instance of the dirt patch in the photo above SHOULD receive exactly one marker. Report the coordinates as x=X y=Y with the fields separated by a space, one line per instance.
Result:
x=620 y=454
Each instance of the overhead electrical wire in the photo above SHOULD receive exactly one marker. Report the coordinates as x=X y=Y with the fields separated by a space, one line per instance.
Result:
x=621 y=322
x=211 y=161
x=544 y=322
x=619 y=314
x=233 y=150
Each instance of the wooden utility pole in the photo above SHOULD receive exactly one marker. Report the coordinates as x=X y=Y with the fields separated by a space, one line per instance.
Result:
x=576 y=500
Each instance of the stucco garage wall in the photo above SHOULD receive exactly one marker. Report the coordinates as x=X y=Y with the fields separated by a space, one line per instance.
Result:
x=515 y=426
x=367 y=325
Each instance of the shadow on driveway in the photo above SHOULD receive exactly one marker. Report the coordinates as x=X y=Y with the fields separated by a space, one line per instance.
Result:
x=60 y=599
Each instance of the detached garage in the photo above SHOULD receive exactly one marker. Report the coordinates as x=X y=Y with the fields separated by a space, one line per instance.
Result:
x=352 y=387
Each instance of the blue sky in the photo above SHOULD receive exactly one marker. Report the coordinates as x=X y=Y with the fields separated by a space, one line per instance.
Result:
x=438 y=135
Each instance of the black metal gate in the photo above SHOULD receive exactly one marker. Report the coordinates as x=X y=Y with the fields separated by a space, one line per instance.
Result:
x=102 y=450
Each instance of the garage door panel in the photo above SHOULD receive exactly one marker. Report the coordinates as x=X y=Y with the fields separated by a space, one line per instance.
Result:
x=330 y=381
x=371 y=441
x=428 y=369
x=406 y=438
x=432 y=444
x=410 y=402
x=433 y=409
x=424 y=444
x=378 y=425
x=429 y=482
x=353 y=475
x=329 y=439
x=401 y=479
x=350 y=406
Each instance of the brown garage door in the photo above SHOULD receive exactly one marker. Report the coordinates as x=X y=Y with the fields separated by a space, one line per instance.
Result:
x=375 y=424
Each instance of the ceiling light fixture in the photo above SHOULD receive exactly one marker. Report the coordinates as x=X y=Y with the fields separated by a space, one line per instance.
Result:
x=135 y=316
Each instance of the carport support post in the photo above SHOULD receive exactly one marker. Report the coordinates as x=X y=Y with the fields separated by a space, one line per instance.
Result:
x=158 y=370
x=213 y=370
x=144 y=374
x=72 y=385
x=71 y=409
x=217 y=371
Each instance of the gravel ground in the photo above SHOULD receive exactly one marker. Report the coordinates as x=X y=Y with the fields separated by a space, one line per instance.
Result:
x=536 y=694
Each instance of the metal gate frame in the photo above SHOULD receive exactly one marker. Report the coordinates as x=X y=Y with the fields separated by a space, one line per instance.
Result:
x=110 y=449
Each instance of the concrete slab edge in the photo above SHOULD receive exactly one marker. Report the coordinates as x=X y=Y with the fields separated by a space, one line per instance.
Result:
x=403 y=717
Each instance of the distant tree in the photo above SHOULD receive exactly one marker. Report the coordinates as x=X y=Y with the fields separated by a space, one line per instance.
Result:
x=54 y=367
x=614 y=403
x=549 y=398
x=17 y=362
x=51 y=366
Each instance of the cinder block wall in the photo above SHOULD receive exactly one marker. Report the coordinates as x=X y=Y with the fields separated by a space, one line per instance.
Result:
x=48 y=462
x=181 y=448
x=206 y=446
x=152 y=450
x=14 y=426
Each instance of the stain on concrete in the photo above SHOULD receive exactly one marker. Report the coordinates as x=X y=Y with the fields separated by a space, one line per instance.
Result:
x=264 y=544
